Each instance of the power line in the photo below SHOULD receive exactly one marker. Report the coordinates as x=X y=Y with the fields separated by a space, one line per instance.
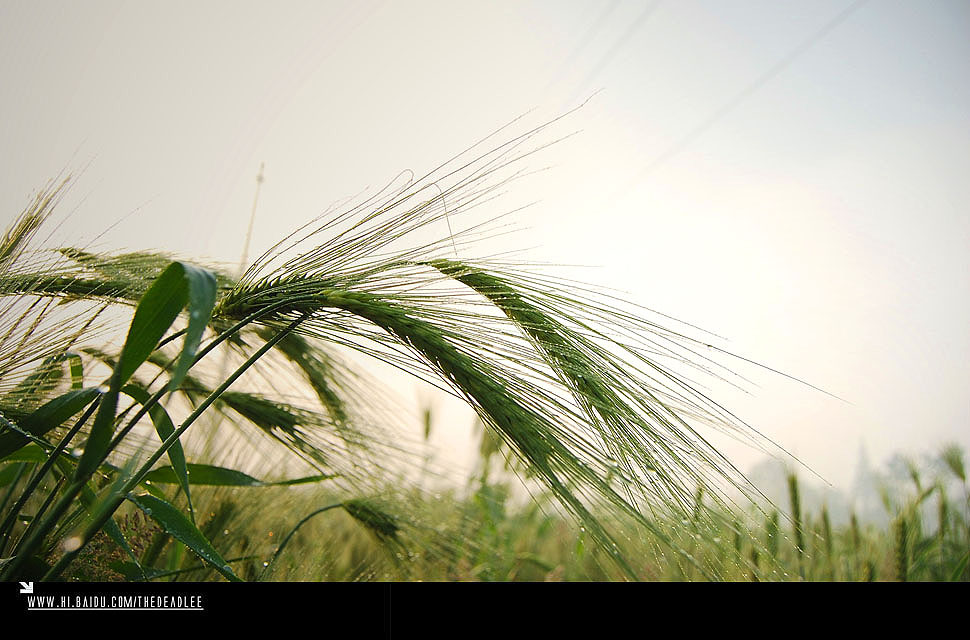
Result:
x=617 y=46
x=746 y=92
x=566 y=64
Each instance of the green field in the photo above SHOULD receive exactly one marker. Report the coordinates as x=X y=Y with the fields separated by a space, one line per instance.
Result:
x=166 y=420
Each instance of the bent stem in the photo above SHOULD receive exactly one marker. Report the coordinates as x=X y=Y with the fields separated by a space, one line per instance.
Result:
x=286 y=540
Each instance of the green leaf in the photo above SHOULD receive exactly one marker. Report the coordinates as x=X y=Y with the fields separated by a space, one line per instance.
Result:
x=77 y=370
x=179 y=527
x=155 y=313
x=131 y=571
x=9 y=473
x=165 y=428
x=114 y=532
x=209 y=475
x=203 y=474
x=47 y=417
x=158 y=492
x=304 y=480
x=29 y=453
x=202 y=299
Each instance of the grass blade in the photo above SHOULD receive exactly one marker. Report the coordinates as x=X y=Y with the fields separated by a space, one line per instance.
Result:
x=180 y=528
x=213 y=476
x=155 y=313
x=47 y=417
x=165 y=428
x=202 y=299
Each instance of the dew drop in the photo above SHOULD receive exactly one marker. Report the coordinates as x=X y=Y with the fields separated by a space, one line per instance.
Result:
x=265 y=564
x=71 y=544
x=225 y=532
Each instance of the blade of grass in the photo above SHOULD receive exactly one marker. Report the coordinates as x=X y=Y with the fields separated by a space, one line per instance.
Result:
x=179 y=527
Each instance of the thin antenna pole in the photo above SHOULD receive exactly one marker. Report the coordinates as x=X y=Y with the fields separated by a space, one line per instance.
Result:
x=224 y=367
x=252 y=218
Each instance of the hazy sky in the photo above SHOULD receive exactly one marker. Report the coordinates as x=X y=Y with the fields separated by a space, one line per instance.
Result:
x=792 y=176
